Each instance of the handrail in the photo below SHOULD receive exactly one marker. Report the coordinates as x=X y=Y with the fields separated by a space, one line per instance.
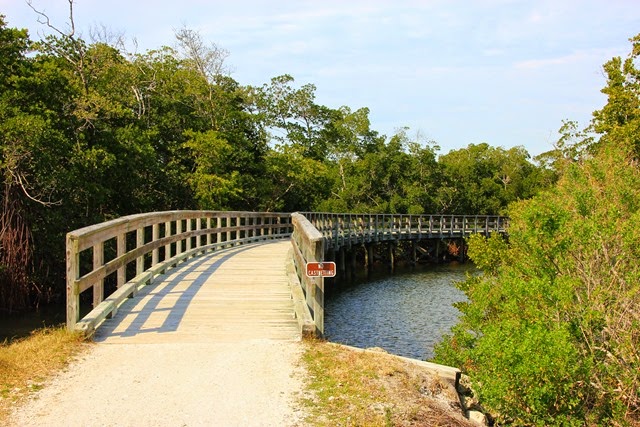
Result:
x=346 y=229
x=136 y=248
x=154 y=241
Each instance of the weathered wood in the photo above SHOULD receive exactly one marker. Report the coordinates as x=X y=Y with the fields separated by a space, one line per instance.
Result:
x=121 y=243
x=347 y=230
x=98 y=261
x=233 y=294
x=73 y=272
x=167 y=234
x=303 y=315
x=308 y=246
x=140 y=259
x=187 y=226
x=155 y=253
x=182 y=235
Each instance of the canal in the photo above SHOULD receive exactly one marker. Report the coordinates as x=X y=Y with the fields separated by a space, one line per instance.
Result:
x=405 y=313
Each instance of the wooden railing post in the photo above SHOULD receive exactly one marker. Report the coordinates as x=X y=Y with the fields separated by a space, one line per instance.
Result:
x=178 y=232
x=198 y=235
x=73 y=274
x=318 y=289
x=140 y=259
x=98 y=261
x=139 y=244
x=155 y=235
x=189 y=238
x=308 y=246
x=167 y=247
x=121 y=243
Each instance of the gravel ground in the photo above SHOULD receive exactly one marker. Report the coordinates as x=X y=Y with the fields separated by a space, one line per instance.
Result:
x=246 y=383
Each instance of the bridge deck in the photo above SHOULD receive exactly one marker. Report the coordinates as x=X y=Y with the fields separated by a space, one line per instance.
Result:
x=229 y=295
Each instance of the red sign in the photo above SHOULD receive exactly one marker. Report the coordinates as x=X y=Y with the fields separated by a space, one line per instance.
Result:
x=321 y=269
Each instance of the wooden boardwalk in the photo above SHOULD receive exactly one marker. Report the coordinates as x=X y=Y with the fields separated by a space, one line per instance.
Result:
x=230 y=295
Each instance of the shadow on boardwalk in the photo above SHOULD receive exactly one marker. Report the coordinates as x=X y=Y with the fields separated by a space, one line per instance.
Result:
x=221 y=295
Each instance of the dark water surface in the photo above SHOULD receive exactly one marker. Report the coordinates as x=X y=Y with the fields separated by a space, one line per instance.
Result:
x=406 y=313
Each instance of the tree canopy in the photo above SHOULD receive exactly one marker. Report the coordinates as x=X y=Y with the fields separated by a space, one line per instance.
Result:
x=89 y=132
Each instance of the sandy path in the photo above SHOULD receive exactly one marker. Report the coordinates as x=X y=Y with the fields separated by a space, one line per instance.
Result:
x=247 y=383
x=212 y=343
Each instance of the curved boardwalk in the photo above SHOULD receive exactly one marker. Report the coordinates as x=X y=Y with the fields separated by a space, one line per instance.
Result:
x=229 y=295
x=213 y=342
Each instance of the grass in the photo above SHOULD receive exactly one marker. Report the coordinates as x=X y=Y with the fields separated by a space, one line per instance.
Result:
x=354 y=388
x=26 y=363
x=345 y=387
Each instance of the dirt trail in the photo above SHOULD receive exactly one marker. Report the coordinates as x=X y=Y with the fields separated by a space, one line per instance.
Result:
x=250 y=383
x=213 y=342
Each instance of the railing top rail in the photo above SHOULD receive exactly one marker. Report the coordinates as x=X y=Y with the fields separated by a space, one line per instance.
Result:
x=311 y=232
x=109 y=229
x=399 y=214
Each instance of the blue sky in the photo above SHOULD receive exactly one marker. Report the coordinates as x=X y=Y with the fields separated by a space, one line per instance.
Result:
x=458 y=72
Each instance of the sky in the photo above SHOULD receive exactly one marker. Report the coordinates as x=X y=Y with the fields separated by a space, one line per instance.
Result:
x=504 y=72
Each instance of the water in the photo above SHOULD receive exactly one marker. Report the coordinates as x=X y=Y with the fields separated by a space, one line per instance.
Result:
x=406 y=314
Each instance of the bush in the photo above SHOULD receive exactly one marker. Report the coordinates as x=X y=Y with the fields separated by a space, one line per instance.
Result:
x=550 y=332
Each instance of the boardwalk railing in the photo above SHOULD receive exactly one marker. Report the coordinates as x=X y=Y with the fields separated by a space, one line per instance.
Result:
x=307 y=246
x=344 y=230
x=136 y=248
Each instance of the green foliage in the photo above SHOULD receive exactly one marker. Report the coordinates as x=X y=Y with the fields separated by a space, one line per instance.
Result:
x=297 y=182
x=550 y=331
x=89 y=132
x=484 y=180
x=487 y=254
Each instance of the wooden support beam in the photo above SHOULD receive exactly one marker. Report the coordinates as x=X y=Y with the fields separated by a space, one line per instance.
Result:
x=98 y=261
x=121 y=243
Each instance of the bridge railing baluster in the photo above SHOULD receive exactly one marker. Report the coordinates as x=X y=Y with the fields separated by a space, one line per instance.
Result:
x=188 y=228
x=121 y=243
x=98 y=261
x=179 y=233
x=155 y=254
x=140 y=259
x=138 y=239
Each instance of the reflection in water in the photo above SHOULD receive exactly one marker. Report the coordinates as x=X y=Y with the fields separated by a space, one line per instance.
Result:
x=406 y=314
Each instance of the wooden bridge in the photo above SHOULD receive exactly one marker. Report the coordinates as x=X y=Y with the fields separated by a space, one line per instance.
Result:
x=224 y=275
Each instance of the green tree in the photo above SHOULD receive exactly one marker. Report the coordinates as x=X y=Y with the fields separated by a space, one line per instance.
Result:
x=32 y=162
x=293 y=117
x=394 y=176
x=481 y=179
x=618 y=122
x=549 y=333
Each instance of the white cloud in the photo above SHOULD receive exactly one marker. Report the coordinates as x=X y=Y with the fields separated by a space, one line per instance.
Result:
x=449 y=67
x=532 y=64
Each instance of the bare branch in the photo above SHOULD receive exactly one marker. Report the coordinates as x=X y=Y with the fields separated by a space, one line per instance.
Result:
x=207 y=60
x=100 y=33
x=22 y=182
x=43 y=19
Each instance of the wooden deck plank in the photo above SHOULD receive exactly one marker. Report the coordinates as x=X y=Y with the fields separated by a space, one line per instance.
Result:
x=241 y=293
